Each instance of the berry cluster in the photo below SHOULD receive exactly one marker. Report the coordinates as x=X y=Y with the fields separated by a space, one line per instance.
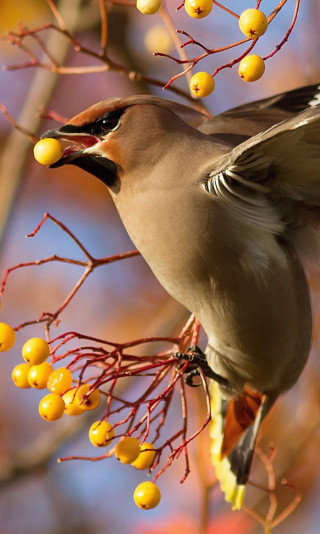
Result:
x=252 y=23
x=83 y=373
x=247 y=27
x=65 y=398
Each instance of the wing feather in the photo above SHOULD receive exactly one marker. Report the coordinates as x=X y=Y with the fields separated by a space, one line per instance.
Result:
x=277 y=174
x=287 y=153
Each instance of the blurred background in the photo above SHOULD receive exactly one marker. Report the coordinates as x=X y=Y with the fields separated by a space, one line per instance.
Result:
x=123 y=301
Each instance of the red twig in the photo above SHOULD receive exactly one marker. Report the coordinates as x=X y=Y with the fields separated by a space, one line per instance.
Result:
x=270 y=520
x=225 y=9
x=286 y=37
x=104 y=28
x=15 y=125
x=56 y=14
x=89 y=266
x=154 y=400
x=104 y=62
x=53 y=115
x=237 y=60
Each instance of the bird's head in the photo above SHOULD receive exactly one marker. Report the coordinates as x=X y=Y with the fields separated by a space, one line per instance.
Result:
x=111 y=137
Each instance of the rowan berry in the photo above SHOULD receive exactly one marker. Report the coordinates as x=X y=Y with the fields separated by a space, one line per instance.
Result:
x=201 y=84
x=48 y=151
x=71 y=405
x=253 y=23
x=60 y=380
x=38 y=375
x=146 y=456
x=198 y=9
x=35 y=351
x=148 y=7
x=7 y=337
x=251 y=68
x=51 y=407
x=19 y=375
x=147 y=495
x=85 y=401
x=127 y=449
x=100 y=433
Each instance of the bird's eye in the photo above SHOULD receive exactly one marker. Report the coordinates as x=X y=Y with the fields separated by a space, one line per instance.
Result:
x=108 y=122
x=99 y=127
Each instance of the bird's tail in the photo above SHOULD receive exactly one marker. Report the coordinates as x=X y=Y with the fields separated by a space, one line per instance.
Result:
x=233 y=433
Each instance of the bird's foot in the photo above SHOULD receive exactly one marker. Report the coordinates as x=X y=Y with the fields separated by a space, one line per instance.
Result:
x=197 y=359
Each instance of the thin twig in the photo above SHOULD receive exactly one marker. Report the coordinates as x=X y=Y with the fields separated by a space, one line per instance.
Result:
x=15 y=125
x=104 y=28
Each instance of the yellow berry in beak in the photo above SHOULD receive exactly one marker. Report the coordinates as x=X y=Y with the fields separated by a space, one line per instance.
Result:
x=48 y=151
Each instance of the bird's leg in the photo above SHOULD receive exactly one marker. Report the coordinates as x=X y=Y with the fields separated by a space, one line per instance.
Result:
x=197 y=359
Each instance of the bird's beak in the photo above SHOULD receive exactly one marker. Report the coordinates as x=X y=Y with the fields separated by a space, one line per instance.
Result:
x=76 y=143
x=82 y=149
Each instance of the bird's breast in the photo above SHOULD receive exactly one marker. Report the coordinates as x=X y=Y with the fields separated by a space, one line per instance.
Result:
x=258 y=321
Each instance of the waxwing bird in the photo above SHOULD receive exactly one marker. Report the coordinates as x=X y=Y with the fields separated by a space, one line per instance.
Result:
x=225 y=211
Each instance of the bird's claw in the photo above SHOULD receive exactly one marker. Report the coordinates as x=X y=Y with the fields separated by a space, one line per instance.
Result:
x=190 y=376
x=197 y=359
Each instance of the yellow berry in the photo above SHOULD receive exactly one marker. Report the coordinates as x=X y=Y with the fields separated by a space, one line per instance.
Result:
x=71 y=405
x=19 y=375
x=251 y=68
x=148 y=7
x=198 y=9
x=38 y=375
x=147 y=495
x=35 y=351
x=60 y=380
x=201 y=84
x=51 y=407
x=253 y=23
x=127 y=449
x=100 y=433
x=7 y=337
x=146 y=456
x=87 y=402
x=158 y=39
x=48 y=151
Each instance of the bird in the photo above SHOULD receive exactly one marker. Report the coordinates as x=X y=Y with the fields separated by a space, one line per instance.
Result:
x=225 y=210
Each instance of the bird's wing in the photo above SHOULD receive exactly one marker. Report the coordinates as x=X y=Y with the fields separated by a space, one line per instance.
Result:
x=238 y=124
x=284 y=159
x=272 y=180
x=291 y=101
